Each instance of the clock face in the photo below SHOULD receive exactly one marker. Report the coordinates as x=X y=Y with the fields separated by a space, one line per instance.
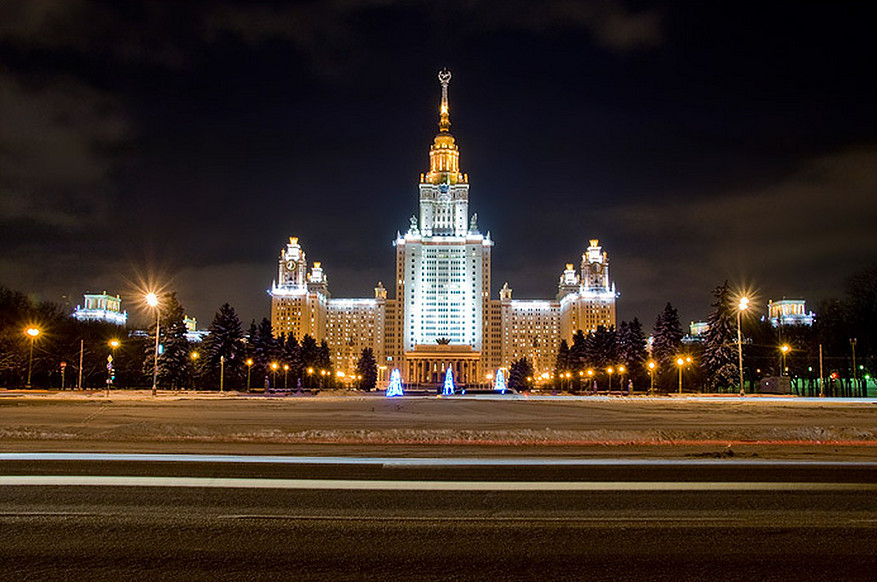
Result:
x=290 y=265
x=595 y=267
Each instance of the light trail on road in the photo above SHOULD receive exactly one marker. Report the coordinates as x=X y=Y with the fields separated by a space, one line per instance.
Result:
x=387 y=485
x=418 y=461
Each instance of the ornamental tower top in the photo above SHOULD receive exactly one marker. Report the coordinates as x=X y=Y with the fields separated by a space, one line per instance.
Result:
x=444 y=157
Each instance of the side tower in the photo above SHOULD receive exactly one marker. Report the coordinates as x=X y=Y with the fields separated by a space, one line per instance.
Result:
x=299 y=299
x=587 y=299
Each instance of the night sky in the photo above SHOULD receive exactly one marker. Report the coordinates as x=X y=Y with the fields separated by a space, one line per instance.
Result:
x=183 y=142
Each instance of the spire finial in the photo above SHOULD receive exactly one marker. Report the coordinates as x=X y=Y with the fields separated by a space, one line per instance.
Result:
x=444 y=78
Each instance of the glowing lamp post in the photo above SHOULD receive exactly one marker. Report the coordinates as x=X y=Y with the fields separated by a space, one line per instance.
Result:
x=274 y=366
x=652 y=366
x=784 y=349
x=621 y=377
x=680 y=362
x=609 y=371
x=249 y=363
x=741 y=307
x=32 y=334
x=113 y=343
x=222 y=373
x=152 y=301
x=285 y=373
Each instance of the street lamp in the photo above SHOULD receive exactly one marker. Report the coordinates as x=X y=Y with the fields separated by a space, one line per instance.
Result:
x=651 y=365
x=113 y=343
x=621 y=378
x=285 y=372
x=194 y=356
x=249 y=363
x=310 y=381
x=853 y=342
x=680 y=361
x=221 y=374
x=32 y=333
x=152 y=301
x=785 y=349
x=741 y=307
x=609 y=371
x=274 y=366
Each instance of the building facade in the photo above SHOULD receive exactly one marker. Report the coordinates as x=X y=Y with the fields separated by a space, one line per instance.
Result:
x=440 y=314
x=789 y=312
x=101 y=307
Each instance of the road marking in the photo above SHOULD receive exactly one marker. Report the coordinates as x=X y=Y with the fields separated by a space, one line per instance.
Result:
x=386 y=485
x=392 y=462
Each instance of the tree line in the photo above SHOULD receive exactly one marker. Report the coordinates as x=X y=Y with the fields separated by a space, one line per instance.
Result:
x=843 y=327
x=228 y=356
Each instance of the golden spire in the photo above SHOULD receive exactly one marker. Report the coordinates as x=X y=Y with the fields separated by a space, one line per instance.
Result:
x=444 y=78
x=444 y=157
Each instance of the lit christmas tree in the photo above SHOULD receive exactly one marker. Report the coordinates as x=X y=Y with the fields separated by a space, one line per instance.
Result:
x=395 y=387
x=499 y=383
x=448 y=387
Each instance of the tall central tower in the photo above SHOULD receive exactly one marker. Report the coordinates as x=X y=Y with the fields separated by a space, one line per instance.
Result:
x=443 y=265
x=444 y=190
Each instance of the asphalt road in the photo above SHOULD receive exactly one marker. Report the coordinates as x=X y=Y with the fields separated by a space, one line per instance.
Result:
x=274 y=518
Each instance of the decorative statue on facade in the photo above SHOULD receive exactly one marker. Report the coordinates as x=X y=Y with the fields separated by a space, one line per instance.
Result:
x=473 y=223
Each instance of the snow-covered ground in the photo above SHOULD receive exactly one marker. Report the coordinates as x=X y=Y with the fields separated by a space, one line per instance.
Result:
x=174 y=422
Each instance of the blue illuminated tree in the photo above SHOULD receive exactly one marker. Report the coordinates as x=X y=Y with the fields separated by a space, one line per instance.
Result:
x=395 y=387
x=448 y=387
x=499 y=383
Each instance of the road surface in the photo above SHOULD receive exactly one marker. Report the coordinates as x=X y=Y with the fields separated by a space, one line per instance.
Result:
x=194 y=517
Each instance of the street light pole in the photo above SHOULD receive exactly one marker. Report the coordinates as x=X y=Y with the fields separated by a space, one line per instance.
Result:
x=785 y=348
x=853 y=346
x=741 y=307
x=651 y=378
x=111 y=364
x=249 y=369
x=221 y=374
x=680 y=362
x=32 y=333
x=152 y=301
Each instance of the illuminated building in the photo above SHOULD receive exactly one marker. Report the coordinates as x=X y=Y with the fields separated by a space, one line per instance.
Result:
x=101 y=307
x=440 y=315
x=789 y=312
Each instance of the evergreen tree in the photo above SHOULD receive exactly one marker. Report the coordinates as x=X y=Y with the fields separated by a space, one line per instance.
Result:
x=519 y=372
x=324 y=361
x=225 y=340
x=667 y=344
x=633 y=350
x=173 y=358
x=292 y=357
x=266 y=351
x=719 y=344
x=367 y=367
x=600 y=347
x=563 y=362
x=577 y=360
x=309 y=351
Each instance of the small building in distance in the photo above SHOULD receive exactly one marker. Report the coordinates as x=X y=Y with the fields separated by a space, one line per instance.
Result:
x=789 y=312
x=696 y=332
x=101 y=307
x=193 y=334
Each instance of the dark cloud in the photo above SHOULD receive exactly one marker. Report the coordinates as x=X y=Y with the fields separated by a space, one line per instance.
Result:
x=59 y=147
x=817 y=221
